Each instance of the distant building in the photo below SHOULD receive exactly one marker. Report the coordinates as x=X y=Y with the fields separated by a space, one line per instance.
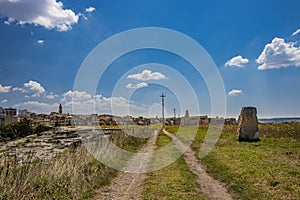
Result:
x=230 y=121
x=60 y=119
x=106 y=120
x=24 y=113
x=10 y=116
x=193 y=120
x=10 y=112
x=60 y=109
x=142 y=121
x=2 y=117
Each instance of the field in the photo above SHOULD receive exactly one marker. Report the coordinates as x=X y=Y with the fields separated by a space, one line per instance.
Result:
x=172 y=182
x=269 y=169
x=73 y=175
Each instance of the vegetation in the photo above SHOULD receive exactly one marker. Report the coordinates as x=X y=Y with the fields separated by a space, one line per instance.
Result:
x=20 y=129
x=172 y=182
x=269 y=169
x=128 y=142
x=70 y=176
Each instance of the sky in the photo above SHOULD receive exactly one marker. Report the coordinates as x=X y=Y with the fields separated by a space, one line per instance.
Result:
x=254 y=46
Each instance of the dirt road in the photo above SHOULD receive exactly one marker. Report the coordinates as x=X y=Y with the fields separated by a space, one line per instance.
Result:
x=211 y=188
x=129 y=185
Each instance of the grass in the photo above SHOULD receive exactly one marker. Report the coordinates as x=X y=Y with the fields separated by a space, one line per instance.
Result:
x=73 y=175
x=70 y=176
x=172 y=182
x=269 y=169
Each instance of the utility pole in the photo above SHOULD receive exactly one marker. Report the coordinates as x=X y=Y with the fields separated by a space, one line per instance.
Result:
x=174 y=112
x=163 y=107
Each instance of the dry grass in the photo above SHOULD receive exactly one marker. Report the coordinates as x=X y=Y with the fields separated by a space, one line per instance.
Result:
x=269 y=169
x=69 y=176
x=73 y=175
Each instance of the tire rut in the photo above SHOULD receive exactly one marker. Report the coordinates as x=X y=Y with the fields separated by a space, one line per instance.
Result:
x=211 y=188
x=128 y=184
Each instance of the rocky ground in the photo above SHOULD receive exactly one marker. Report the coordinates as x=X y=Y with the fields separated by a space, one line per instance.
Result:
x=40 y=147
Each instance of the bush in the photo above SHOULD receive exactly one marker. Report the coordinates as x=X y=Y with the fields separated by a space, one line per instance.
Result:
x=17 y=130
x=41 y=128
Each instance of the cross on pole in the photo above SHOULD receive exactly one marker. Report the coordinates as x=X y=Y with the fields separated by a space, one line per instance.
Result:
x=163 y=107
x=174 y=112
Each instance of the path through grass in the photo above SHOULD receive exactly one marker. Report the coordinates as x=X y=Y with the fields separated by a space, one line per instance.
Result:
x=172 y=182
x=269 y=169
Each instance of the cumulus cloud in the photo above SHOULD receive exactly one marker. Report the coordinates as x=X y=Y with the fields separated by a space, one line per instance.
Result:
x=47 y=13
x=90 y=9
x=81 y=102
x=51 y=96
x=37 y=107
x=76 y=96
x=4 y=101
x=4 y=89
x=41 y=42
x=31 y=86
x=237 y=61
x=34 y=86
x=147 y=75
x=235 y=92
x=136 y=86
x=296 y=32
x=278 y=54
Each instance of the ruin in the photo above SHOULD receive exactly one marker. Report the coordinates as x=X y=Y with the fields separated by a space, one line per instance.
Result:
x=248 y=125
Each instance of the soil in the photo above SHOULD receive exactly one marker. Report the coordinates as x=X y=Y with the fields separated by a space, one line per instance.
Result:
x=129 y=182
x=128 y=185
x=211 y=188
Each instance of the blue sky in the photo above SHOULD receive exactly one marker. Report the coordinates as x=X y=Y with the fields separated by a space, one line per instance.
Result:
x=254 y=44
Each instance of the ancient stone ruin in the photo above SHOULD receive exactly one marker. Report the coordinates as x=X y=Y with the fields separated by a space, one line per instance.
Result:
x=248 y=125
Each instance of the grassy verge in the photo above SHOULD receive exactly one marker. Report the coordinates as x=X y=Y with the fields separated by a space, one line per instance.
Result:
x=70 y=176
x=73 y=175
x=172 y=182
x=269 y=169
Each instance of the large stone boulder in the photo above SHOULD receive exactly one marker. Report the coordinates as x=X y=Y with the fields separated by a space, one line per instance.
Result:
x=248 y=125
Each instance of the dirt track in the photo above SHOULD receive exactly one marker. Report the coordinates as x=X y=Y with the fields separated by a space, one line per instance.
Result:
x=211 y=188
x=129 y=185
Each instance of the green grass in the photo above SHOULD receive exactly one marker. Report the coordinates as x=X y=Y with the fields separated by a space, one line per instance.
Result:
x=269 y=169
x=172 y=182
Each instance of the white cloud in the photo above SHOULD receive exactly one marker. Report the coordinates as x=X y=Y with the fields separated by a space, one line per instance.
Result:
x=47 y=13
x=296 y=32
x=31 y=86
x=147 y=75
x=90 y=9
x=41 y=42
x=37 y=107
x=76 y=96
x=237 y=61
x=234 y=92
x=4 y=89
x=136 y=86
x=4 y=101
x=278 y=54
x=51 y=96
x=85 y=103
x=15 y=89
x=34 y=86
